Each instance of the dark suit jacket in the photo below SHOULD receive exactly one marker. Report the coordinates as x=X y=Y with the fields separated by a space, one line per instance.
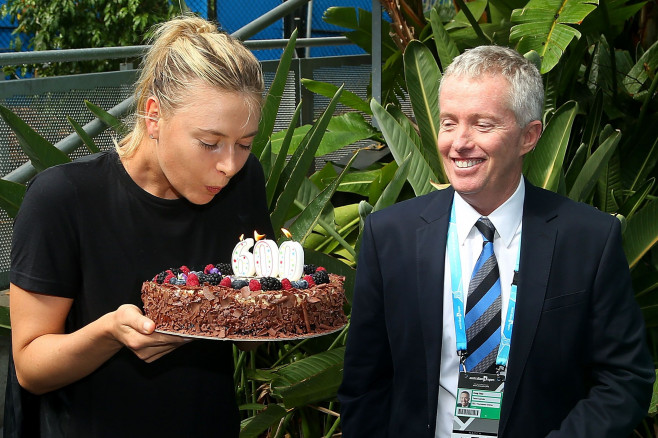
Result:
x=579 y=365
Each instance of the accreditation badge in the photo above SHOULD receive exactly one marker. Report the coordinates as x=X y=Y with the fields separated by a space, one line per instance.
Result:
x=479 y=399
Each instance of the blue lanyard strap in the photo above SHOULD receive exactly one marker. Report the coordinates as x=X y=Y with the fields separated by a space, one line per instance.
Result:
x=458 y=301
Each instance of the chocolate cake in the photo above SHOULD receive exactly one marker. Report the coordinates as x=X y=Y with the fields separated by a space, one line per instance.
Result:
x=222 y=306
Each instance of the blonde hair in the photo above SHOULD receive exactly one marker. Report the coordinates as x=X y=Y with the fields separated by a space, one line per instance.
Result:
x=189 y=50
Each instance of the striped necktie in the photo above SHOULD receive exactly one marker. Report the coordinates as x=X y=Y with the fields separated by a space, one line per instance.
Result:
x=483 y=306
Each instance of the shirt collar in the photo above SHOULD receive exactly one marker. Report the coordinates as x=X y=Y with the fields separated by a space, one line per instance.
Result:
x=506 y=218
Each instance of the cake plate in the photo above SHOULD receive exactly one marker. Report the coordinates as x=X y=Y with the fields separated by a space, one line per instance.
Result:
x=243 y=338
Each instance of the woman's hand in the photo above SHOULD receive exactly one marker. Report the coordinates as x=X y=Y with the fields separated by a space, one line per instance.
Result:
x=137 y=332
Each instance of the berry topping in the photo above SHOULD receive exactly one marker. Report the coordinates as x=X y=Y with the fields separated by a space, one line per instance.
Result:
x=320 y=277
x=270 y=283
x=208 y=269
x=285 y=284
x=309 y=280
x=239 y=284
x=224 y=268
x=309 y=269
x=185 y=270
x=321 y=268
x=192 y=279
x=168 y=278
x=226 y=282
x=214 y=271
x=254 y=285
x=301 y=284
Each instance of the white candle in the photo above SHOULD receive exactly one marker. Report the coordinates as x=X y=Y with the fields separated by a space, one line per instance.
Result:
x=266 y=257
x=291 y=258
x=242 y=260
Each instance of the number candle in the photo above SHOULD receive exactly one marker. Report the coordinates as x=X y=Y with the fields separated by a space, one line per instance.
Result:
x=291 y=258
x=266 y=256
x=242 y=260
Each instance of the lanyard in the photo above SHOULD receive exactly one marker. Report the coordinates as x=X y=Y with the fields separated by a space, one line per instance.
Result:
x=458 y=296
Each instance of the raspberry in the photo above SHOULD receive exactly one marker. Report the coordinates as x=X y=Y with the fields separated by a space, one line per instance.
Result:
x=309 y=280
x=254 y=285
x=285 y=284
x=226 y=282
x=192 y=280
x=185 y=270
x=207 y=269
x=168 y=277
x=321 y=268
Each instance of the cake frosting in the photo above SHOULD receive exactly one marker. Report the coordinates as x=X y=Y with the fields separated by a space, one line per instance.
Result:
x=207 y=303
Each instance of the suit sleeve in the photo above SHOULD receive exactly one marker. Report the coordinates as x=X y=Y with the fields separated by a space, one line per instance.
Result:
x=368 y=371
x=621 y=367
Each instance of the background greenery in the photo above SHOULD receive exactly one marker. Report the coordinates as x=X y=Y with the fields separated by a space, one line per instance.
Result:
x=599 y=147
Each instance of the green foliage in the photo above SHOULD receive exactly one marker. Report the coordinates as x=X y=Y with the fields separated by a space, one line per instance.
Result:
x=72 y=24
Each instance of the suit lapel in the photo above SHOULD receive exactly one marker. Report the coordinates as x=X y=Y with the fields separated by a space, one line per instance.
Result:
x=537 y=245
x=430 y=261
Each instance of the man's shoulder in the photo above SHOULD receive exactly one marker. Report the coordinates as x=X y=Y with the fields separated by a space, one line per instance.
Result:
x=431 y=204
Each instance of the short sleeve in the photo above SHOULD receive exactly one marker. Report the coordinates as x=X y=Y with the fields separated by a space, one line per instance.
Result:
x=45 y=249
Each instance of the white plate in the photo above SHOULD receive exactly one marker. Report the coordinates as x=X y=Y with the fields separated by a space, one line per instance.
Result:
x=252 y=338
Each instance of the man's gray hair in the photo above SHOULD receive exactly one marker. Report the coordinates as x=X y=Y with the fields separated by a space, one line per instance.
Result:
x=526 y=87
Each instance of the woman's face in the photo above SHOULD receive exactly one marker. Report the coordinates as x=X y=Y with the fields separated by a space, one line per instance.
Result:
x=203 y=144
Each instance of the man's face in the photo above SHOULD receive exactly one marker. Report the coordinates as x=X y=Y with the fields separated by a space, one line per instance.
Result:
x=480 y=142
x=464 y=399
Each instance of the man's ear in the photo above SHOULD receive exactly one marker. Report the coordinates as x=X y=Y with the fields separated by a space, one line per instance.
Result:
x=531 y=134
x=152 y=116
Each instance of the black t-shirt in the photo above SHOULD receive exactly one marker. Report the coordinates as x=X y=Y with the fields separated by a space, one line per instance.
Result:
x=86 y=231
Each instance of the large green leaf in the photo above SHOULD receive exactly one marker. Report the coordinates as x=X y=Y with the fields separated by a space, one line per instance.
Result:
x=299 y=164
x=274 y=95
x=40 y=151
x=420 y=173
x=423 y=77
x=588 y=176
x=315 y=378
x=304 y=223
x=641 y=232
x=545 y=27
x=634 y=202
x=88 y=141
x=445 y=46
x=279 y=163
x=254 y=427
x=639 y=74
x=543 y=166
x=343 y=130
x=11 y=196
x=647 y=166
x=108 y=119
x=347 y=98
x=392 y=191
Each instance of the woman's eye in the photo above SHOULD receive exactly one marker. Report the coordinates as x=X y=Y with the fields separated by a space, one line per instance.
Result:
x=207 y=146
x=246 y=147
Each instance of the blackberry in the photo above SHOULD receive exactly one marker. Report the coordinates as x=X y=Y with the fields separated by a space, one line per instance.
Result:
x=203 y=278
x=270 y=283
x=224 y=268
x=239 y=284
x=309 y=269
x=213 y=279
x=160 y=277
x=320 y=277
x=176 y=271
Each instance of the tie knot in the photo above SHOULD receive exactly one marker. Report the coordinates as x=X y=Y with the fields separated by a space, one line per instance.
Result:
x=485 y=227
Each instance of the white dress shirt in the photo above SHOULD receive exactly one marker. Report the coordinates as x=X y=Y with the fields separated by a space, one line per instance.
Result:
x=507 y=221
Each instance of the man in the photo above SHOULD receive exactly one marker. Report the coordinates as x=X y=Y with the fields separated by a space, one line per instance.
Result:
x=578 y=365
x=464 y=399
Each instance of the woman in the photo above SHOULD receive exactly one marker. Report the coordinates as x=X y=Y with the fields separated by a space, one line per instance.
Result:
x=179 y=190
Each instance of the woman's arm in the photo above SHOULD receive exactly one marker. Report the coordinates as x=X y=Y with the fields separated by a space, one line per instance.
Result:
x=47 y=359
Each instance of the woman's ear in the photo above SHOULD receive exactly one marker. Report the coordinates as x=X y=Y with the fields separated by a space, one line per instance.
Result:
x=152 y=117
